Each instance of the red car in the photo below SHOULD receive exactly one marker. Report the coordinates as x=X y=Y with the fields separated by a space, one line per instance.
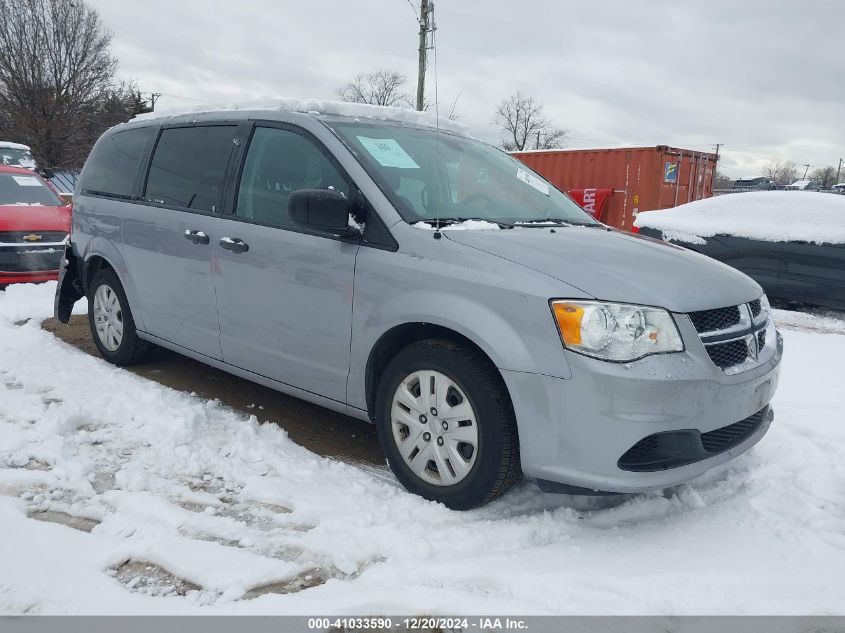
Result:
x=34 y=227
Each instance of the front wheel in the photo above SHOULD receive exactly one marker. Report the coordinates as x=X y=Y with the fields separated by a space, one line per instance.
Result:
x=446 y=424
x=111 y=322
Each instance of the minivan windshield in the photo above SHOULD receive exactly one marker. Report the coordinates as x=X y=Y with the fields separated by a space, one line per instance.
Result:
x=430 y=176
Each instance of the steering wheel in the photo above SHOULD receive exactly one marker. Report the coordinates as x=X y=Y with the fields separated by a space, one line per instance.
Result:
x=478 y=196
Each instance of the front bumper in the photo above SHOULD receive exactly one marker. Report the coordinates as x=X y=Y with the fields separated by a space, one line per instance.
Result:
x=25 y=263
x=574 y=431
x=28 y=277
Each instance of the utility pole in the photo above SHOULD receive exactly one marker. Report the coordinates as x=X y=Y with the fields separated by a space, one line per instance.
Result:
x=426 y=26
x=154 y=96
x=806 y=169
x=717 y=146
x=838 y=170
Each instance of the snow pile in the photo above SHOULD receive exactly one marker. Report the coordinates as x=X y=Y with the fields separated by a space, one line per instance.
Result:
x=824 y=322
x=317 y=106
x=169 y=503
x=771 y=216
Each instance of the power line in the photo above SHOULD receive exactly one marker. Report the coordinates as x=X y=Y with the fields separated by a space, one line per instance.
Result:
x=166 y=94
x=413 y=7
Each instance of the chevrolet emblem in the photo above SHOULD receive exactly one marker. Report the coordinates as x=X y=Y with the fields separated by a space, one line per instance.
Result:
x=32 y=237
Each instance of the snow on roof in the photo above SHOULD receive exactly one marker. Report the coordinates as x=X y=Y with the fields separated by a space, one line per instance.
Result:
x=800 y=184
x=319 y=106
x=10 y=145
x=771 y=216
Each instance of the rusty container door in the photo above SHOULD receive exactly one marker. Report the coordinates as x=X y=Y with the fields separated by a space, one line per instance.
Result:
x=642 y=178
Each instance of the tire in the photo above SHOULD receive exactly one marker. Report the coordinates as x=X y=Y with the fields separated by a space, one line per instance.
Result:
x=458 y=474
x=126 y=349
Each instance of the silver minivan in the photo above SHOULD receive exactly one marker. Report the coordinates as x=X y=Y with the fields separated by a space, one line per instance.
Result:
x=427 y=282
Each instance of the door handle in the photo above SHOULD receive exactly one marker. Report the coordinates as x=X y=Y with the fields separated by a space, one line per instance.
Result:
x=197 y=237
x=234 y=244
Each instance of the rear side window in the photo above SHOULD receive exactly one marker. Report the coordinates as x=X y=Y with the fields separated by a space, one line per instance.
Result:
x=189 y=166
x=112 y=167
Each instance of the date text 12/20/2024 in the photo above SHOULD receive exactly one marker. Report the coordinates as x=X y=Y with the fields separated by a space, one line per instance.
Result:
x=418 y=623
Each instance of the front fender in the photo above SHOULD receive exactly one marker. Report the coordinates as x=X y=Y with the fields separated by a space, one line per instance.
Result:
x=507 y=336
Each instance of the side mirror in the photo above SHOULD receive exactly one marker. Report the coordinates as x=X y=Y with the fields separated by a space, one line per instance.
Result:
x=321 y=210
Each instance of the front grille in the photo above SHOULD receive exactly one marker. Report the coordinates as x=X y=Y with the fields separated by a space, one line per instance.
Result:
x=732 y=335
x=671 y=449
x=21 y=259
x=725 y=438
x=728 y=354
x=17 y=237
x=642 y=449
x=713 y=320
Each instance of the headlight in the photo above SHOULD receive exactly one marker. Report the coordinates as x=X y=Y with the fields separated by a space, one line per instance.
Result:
x=615 y=331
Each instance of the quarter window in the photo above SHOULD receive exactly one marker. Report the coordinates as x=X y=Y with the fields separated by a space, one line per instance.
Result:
x=189 y=166
x=112 y=168
x=278 y=163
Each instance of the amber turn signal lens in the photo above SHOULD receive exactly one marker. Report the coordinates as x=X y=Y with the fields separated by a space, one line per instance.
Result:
x=569 y=319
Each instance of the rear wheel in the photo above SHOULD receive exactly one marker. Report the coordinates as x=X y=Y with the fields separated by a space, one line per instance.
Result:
x=446 y=424
x=112 y=325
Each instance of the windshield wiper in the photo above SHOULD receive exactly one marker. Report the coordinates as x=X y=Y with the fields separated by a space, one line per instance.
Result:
x=459 y=220
x=539 y=224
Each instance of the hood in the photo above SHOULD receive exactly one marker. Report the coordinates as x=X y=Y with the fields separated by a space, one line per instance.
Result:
x=615 y=266
x=23 y=217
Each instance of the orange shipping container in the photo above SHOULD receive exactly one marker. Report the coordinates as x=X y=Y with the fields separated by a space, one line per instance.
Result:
x=642 y=178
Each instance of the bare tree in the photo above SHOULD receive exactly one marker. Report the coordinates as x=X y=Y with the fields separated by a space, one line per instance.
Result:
x=824 y=177
x=382 y=87
x=722 y=181
x=781 y=173
x=525 y=126
x=57 y=92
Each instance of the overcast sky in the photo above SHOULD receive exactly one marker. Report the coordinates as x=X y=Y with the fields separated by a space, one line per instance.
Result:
x=766 y=78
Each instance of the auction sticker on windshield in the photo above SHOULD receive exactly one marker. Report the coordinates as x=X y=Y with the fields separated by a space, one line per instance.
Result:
x=531 y=179
x=388 y=152
x=27 y=181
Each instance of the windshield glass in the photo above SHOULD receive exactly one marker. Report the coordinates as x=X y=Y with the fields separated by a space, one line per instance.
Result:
x=14 y=157
x=26 y=189
x=427 y=176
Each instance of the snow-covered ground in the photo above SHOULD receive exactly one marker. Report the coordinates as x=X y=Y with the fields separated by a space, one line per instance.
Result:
x=208 y=506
